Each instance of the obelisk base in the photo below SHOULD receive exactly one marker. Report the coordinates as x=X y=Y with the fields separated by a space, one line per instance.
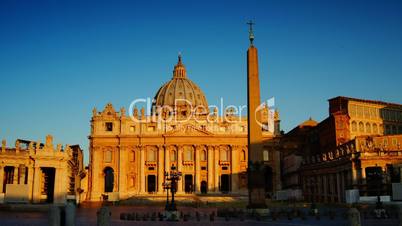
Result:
x=256 y=188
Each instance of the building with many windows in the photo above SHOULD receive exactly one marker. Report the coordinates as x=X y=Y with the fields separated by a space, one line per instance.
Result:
x=357 y=147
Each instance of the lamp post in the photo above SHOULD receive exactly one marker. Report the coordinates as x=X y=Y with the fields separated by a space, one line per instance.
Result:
x=173 y=177
x=166 y=186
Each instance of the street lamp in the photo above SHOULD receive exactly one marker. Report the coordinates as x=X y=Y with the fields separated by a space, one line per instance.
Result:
x=166 y=186
x=173 y=177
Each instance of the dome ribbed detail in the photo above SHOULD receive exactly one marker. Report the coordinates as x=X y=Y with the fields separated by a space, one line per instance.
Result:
x=180 y=91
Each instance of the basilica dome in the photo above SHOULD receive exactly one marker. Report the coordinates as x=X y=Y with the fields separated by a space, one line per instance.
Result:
x=180 y=92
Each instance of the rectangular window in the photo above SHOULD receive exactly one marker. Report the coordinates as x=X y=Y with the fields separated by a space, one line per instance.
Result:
x=8 y=176
x=151 y=128
x=108 y=156
x=109 y=126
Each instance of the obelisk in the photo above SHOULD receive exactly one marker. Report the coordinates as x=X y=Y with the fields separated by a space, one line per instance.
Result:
x=256 y=181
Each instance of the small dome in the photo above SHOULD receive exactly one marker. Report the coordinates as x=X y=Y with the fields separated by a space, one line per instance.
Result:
x=180 y=93
x=310 y=122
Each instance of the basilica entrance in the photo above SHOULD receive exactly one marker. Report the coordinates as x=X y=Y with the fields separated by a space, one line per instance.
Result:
x=188 y=183
x=225 y=183
x=47 y=187
x=151 y=179
x=109 y=179
x=204 y=187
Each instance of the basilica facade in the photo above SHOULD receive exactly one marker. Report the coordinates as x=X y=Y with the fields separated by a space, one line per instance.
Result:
x=130 y=153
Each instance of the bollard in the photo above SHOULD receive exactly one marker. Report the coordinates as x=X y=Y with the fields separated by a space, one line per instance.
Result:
x=54 y=215
x=70 y=214
x=354 y=217
x=103 y=216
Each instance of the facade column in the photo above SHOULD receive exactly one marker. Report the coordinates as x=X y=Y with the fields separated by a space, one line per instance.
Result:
x=141 y=168
x=167 y=162
x=179 y=168
x=210 y=156
x=161 y=169
x=123 y=163
x=197 y=168
x=235 y=170
x=36 y=193
x=216 y=169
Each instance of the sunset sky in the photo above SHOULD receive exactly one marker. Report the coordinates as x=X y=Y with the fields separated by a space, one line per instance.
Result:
x=59 y=59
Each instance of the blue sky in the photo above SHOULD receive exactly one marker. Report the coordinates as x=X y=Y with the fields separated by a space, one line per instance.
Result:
x=59 y=59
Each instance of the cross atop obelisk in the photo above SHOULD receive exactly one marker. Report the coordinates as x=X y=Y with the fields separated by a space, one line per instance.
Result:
x=250 y=31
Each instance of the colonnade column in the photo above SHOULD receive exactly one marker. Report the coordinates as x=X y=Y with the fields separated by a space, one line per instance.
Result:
x=354 y=175
x=36 y=185
x=325 y=182
x=60 y=188
x=338 y=184
x=30 y=181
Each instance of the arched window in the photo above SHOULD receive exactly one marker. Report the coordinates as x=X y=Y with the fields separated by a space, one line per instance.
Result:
x=173 y=156
x=188 y=153
x=354 y=126
x=151 y=154
x=243 y=155
x=368 y=128
x=265 y=154
x=203 y=155
x=361 y=127
x=375 y=128
x=224 y=154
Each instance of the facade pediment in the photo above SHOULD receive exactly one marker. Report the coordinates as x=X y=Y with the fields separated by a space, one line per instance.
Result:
x=188 y=130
